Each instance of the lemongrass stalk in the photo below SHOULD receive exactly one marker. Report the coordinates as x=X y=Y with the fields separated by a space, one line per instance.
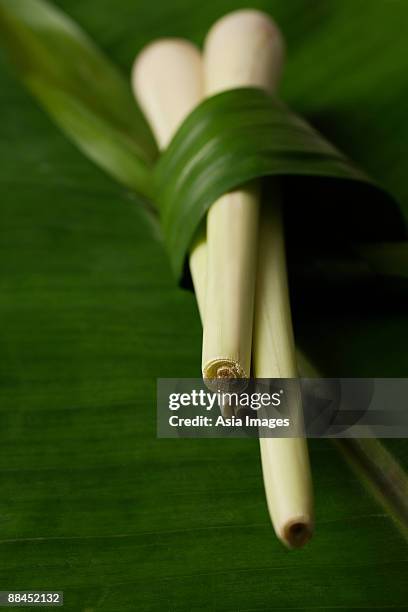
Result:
x=244 y=48
x=285 y=461
x=167 y=81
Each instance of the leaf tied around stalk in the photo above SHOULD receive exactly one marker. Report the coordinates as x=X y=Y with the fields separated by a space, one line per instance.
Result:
x=245 y=133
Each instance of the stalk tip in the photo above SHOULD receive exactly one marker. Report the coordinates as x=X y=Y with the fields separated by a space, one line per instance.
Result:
x=297 y=533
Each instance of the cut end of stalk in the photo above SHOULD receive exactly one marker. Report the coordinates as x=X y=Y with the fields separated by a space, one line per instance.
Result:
x=223 y=368
x=224 y=373
x=297 y=533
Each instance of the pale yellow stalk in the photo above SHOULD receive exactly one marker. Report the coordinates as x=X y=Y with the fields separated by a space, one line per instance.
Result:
x=167 y=83
x=285 y=461
x=243 y=49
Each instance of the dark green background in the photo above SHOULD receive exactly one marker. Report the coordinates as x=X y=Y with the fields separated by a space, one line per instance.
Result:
x=91 y=503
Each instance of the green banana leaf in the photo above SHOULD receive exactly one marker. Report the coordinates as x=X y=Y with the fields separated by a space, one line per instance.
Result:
x=91 y=502
x=80 y=88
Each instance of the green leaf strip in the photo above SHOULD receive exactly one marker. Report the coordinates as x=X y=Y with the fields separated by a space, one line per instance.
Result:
x=372 y=462
x=382 y=475
x=80 y=88
x=244 y=134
